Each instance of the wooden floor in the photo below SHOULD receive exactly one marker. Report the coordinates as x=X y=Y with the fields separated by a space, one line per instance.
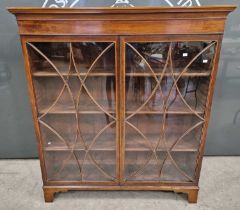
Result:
x=20 y=188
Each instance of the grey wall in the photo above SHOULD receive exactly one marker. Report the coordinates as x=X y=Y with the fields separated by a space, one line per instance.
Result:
x=17 y=139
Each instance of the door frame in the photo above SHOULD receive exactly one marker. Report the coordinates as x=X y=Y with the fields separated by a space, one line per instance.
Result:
x=67 y=38
x=167 y=38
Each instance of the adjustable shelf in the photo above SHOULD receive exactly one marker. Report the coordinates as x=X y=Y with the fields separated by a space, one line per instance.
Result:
x=69 y=109
x=52 y=74
x=189 y=74
x=103 y=73
x=187 y=147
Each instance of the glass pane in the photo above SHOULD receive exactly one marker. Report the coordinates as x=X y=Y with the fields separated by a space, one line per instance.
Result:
x=166 y=87
x=75 y=90
x=201 y=52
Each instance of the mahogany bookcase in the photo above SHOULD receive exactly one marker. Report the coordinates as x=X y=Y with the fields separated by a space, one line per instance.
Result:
x=121 y=97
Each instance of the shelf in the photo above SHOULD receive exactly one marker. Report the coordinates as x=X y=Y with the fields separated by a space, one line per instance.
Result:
x=110 y=162
x=135 y=144
x=92 y=109
x=69 y=109
x=107 y=74
x=108 y=145
x=189 y=74
x=53 y=74
x=168 y=112
x=58 y=149
x=46 y=70
x=62 y=111
x=177 y=107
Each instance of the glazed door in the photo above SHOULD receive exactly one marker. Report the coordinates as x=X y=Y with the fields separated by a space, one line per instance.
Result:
x=164 y=100
x=75 y=82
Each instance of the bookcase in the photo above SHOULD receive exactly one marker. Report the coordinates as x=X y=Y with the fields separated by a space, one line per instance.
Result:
x=121 y=98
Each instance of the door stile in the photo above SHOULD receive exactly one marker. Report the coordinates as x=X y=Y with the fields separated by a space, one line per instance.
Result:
x=118 y=110
x=208 y=107
x=32 y=97
x=122 y=107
